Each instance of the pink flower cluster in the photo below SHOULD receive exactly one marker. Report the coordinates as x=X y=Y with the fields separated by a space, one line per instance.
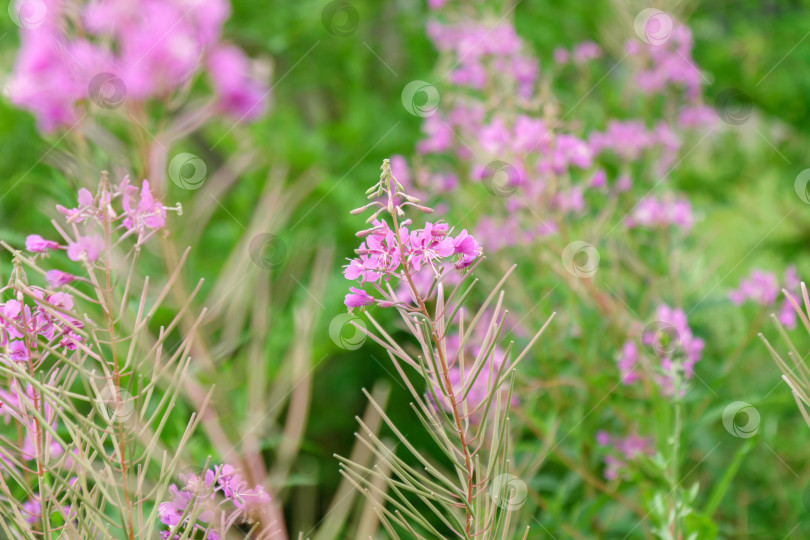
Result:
x=668 y=64
x=580 y=54
x=140 y=215
x=625 y=450
x=651 y=212
x=484 y=51
x=384 y=254
x=497 y=234
x=549 y=167
x=20 y=327
x=629 y=139
x=670 y=340
x=763 y=288
x=697 y=116
x=128 y=49
x=220 y=497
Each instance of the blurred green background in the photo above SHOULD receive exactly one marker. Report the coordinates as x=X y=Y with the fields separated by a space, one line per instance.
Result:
x=336 y=112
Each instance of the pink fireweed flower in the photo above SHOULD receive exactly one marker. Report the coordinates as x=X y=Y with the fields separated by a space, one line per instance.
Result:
x=57 y=278
x=123 y=206
x=439 y=135
x=429 y=245
x=651 y=212
x=627 y=139
x=36 y=244
x=585 y=51
x=481 y=51
x=669 y=348
x=669 y=64
x=86 y=248
x=466 y=246
x=46 y=321
x=628 y=363
x=358 y=298
x=87 y=208
x=18 y=352
x=560 y=55
x=240 y=95
x=697 y=116
x=218 y=496
x=142 y=50
x=763 y=288
x=32 y=509
x=148 y=214
x=386 y=254
x=599 y=179
x=624 y=451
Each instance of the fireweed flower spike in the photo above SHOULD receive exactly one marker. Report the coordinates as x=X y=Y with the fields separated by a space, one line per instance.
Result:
x=386 y=254
x=50 y=347
x=211 y=503
x=121 y=51
x=465 y=392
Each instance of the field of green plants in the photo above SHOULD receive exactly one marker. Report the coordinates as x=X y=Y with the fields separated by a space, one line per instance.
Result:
x=405 y=269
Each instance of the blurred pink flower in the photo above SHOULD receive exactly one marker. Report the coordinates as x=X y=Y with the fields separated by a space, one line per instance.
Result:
x=85 y=248
x=36 y=244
